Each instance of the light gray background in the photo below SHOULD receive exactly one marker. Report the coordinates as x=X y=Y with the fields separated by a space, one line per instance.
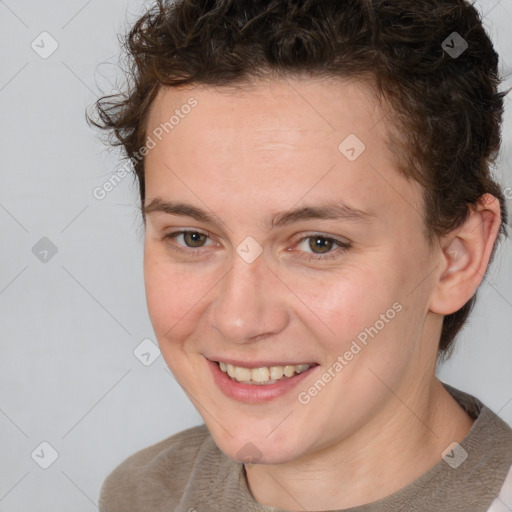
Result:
x=69 y=376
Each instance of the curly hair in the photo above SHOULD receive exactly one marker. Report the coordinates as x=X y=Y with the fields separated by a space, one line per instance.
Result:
x=446 y=108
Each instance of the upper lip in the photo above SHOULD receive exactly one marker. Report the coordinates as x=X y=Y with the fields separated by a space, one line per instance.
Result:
x=257 y=364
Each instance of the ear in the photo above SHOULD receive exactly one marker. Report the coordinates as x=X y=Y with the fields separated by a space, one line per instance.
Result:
x=465 y=255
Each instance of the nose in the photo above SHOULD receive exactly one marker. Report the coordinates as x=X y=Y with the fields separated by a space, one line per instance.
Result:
x=250 y=303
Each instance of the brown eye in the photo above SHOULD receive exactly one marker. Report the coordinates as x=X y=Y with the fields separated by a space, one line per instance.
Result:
x=320 y=244
x=320 y=247
x=188 y=239
x=194 y=239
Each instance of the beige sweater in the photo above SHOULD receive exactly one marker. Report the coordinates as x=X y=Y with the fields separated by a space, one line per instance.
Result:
x=188 y=473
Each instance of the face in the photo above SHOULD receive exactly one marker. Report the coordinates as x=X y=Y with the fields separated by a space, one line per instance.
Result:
x=273 y=239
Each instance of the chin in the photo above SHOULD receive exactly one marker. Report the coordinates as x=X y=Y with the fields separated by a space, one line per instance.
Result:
x=253 y=449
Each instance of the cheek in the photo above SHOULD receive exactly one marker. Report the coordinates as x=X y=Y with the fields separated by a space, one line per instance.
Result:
x=364 y=313
x=173 y=296
x=341 y=305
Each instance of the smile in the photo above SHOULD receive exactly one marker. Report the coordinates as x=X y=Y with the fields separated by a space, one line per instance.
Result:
x=263 y=375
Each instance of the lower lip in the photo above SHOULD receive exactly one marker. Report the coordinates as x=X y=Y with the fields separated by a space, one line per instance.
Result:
x=254 y=393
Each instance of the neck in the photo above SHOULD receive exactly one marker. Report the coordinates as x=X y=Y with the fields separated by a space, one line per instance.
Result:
x=407 y=439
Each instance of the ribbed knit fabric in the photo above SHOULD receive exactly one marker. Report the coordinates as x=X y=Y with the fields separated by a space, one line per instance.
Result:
x=188 y=473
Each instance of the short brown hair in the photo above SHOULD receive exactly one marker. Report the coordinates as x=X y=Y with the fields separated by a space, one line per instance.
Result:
x=446 y=107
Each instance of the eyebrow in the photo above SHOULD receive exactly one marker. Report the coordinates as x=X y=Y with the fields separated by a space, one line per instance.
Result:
x=324 y=211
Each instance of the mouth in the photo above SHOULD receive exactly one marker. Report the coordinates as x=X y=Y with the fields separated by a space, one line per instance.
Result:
x=262 y=375
x=258 y=381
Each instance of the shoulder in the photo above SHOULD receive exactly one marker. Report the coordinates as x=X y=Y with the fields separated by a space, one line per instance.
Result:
x=155 y=475
x=503 y=502
x=488 y=455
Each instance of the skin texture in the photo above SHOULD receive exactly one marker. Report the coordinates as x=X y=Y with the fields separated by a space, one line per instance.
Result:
x=244 y=156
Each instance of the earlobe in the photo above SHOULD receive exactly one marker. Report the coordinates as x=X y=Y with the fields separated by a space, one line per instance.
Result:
x=465 y=255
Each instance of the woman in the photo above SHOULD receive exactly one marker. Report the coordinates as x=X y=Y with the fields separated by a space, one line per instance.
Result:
x=319 y=213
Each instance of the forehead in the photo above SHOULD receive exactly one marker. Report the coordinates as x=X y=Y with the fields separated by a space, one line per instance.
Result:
x=277 y=141
x=290 y=105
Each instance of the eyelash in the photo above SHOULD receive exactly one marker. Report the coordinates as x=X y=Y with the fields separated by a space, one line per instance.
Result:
x=342 y=246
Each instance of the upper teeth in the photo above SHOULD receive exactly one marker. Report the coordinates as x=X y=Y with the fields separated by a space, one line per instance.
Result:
x=265 y=374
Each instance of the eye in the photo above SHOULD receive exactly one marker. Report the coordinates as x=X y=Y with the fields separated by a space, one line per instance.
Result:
x=315 y=246
x=319 y=246
x=187 y=241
